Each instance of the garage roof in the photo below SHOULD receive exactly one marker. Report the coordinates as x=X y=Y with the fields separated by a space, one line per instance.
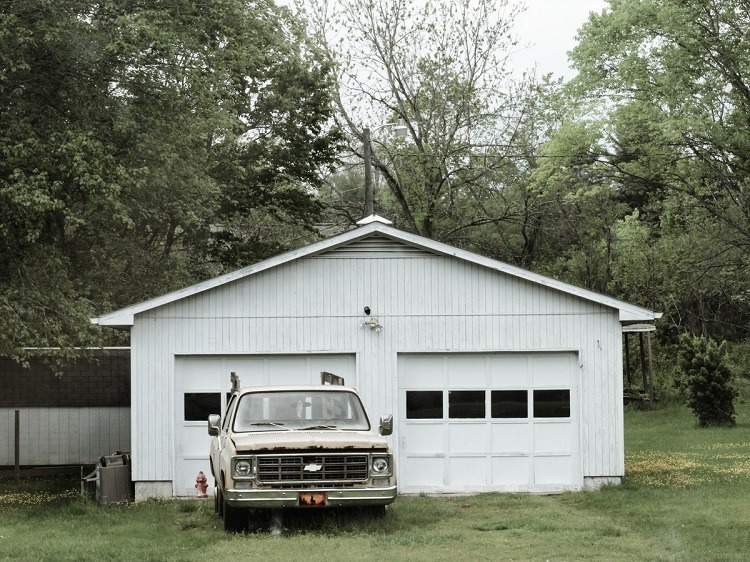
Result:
x=375 y=225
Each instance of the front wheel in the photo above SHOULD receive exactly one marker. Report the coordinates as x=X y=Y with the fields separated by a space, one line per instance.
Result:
x=235 y=518
x=375 y=511
x=218 y=502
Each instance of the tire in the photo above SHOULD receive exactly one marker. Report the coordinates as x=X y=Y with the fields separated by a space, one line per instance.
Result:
x=218 y=501
x=258 y=519
x=236 y=519
x=374 y=511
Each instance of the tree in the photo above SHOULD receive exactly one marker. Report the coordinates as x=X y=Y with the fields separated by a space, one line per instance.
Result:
x=137 y=140
x=662 y=88
x=707 y=380
x=583 y=207
x=439 y=71
x=687 y=62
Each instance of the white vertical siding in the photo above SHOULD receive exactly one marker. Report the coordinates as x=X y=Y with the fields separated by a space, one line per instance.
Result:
x=56 y=436
x=425 y=303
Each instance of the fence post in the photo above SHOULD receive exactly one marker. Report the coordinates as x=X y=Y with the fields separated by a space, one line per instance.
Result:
x=18 y=445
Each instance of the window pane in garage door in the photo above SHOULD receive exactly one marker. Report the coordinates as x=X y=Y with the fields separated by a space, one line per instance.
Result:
x=424 y=404
x=466 y=404
x=199 y=405
x=510 y=404
x=552 y=403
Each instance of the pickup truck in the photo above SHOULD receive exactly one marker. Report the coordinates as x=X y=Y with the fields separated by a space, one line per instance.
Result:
x=300 y=447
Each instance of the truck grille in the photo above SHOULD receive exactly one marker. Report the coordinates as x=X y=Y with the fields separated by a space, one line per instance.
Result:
x=312 y=468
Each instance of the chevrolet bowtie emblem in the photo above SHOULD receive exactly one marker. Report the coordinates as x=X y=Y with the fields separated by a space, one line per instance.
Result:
x=312 y=467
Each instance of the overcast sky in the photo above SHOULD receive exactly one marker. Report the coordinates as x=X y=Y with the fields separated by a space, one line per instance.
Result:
x=551 y=26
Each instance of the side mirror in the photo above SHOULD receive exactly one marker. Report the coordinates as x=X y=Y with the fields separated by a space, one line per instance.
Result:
x=213 y=424
x=386 y=425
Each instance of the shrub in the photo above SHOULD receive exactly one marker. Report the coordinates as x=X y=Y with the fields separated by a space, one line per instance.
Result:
x=707 y=380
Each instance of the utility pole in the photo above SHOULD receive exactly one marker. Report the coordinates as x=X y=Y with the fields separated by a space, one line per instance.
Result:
x=400 y=131
x=367 y=149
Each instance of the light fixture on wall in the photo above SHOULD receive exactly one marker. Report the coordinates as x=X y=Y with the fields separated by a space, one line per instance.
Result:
x=372 y=323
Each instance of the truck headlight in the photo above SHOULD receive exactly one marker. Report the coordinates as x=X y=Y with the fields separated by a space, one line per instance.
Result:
x=243 y=468
x=380 y=465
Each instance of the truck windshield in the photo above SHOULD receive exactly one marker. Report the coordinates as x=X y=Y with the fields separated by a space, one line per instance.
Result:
x=300 y=410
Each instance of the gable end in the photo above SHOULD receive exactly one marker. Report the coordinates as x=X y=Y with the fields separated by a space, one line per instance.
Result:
x=375 y=246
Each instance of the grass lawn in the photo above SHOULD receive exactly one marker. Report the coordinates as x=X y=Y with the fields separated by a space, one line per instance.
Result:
x=686 y=496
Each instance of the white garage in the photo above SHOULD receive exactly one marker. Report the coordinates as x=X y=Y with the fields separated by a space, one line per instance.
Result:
x=498 y=378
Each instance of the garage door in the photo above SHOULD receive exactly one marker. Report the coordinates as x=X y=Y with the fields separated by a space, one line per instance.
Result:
x=482 y=422
x=202 y=387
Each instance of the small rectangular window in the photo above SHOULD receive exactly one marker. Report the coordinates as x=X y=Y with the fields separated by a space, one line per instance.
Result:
x=510 y=404
x=466 y=404
x=552 y=403
x=199 y=405
x=424 y=404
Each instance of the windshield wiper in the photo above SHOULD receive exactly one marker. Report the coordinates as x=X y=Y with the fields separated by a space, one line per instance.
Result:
x=318 y=427
x=273 y=424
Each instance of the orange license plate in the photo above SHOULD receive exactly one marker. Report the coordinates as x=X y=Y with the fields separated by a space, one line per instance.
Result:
x=312 y=499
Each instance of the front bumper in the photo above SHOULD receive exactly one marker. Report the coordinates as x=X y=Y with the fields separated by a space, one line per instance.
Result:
x=289 y=497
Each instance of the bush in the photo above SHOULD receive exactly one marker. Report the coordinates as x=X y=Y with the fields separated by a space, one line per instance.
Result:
x=707 y=380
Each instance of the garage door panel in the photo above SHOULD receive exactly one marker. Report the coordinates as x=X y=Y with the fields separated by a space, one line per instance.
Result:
x=428 y=471
x=195 y=440
x=510 y=371
x=424 y=438
x=424 y=372
x=203 y=375
x=468 y=438
x=468 y=471
x=466 y=372
x=511 y=438
x=554 y=438
x=344 y=366
x=288 y=371
x=187 y=472
x=250 y=371
x=553 y=470
x=511 y=471
x=263 y=370
x=553 y=370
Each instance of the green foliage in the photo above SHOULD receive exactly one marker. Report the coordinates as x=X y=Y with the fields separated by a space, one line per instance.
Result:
x=707 y=380
x=145 y=146
x=580 y=195
x=645 y=180
x=739 y=358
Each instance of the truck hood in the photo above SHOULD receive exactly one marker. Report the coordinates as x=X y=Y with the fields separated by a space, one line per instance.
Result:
x=287 y=440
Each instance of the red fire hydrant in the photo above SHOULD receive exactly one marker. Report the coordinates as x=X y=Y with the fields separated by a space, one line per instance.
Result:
x=201 y=484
